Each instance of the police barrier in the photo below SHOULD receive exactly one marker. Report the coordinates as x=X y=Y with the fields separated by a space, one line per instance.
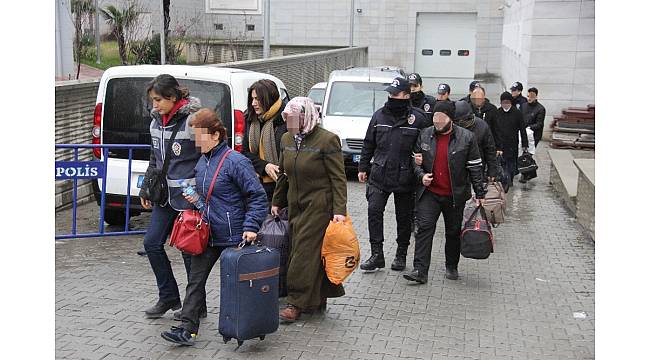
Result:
x=98 y=169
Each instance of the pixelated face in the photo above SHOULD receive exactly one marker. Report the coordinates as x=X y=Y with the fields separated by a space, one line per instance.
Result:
x=515 y=93
x=478 y=98
x=440 y=120
x=506 y=105
x=293 y=115
x=531 y=97
x=162 y=105
x=204 y=140
x=256 y=103
x=416 y=88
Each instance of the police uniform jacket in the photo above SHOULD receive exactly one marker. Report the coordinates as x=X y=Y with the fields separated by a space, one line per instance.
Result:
x=389 y=143
x=184 y=153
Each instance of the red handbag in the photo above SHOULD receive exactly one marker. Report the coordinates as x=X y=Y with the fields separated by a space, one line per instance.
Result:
x=191 y=233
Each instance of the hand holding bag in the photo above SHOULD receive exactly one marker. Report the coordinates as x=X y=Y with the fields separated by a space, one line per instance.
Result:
x=340 y=251
x=191 y=233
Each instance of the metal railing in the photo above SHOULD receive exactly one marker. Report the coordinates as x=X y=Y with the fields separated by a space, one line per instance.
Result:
x=75 y=170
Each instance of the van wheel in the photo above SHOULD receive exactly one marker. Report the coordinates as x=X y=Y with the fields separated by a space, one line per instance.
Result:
x=114 y=216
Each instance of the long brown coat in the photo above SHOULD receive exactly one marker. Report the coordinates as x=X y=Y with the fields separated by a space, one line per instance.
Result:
x=314 y=187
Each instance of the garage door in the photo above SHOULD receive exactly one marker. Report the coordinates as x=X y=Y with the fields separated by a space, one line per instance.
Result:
x=445 y=49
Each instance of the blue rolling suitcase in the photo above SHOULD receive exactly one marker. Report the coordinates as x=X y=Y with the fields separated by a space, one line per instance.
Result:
x=249 y=293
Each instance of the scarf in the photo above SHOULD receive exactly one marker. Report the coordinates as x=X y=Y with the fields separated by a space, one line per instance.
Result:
x=467 y=123
x=398 y=107
x=264 y=134
x=309 y=117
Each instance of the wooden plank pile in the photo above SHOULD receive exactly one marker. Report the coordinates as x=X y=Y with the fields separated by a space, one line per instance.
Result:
x=575 y=128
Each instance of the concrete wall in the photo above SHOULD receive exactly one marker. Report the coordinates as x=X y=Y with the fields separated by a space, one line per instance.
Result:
x=549 y=44
x=387 y=28
x=220 y=51
x=63 y=36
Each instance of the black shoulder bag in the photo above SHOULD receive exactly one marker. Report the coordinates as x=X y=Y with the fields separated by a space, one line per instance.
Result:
x=154 y=185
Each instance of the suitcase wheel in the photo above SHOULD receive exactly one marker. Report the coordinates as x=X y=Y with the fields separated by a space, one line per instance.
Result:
x=226 y=339
x=262 y=337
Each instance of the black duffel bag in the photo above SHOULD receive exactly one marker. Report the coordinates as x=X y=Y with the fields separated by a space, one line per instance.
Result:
x=526 y=164
x=275 y=233
x=476 y=241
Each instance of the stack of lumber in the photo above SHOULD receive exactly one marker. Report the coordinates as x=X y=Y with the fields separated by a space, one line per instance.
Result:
x=575 y=128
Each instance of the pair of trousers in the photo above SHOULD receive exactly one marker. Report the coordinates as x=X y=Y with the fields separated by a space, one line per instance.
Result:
x=195 y=298
x=162 y=222
x=429 y=208
x=404 y=204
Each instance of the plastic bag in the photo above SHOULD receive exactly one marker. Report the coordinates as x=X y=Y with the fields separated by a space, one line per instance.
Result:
x=340 y=252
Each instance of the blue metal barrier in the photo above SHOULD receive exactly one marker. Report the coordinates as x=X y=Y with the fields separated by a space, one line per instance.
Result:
x=66 y=170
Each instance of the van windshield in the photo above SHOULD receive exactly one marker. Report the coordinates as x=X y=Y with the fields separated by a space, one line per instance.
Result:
x=127 y=109
x=356 y=98
x=318 y=95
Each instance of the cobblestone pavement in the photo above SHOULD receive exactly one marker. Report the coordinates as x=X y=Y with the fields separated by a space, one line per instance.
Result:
x=524 y=302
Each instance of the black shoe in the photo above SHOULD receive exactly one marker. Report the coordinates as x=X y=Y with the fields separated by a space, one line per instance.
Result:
x=522 y=180
x=177 y=314
x=399 y=263
x=179 y=336
x=142 y=252
x=417 y=276
x=161 y=308
x=451 y=274
x=375 y=262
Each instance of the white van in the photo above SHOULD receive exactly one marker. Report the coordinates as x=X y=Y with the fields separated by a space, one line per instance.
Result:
x=351 y=97
x=122 y=116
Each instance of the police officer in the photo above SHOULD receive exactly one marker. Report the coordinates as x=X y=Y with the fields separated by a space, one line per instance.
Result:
x=517 y=99
x=418 y=98
x=389 y=141
x=443 y=92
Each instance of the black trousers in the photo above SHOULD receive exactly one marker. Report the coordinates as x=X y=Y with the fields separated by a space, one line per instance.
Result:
x=429 y=208
x=195 y=296
x=404 y=205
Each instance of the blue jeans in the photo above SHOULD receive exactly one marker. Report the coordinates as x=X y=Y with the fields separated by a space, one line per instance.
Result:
x=162 y=222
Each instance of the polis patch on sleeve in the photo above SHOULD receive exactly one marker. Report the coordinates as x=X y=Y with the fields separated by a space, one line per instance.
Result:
x=427 y=107
x=176 y=148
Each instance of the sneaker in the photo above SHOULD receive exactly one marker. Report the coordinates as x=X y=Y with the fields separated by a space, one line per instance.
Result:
x=179 y=336
x=417 y=276
x=161 y=308
x=177 y=314
x=451 y=274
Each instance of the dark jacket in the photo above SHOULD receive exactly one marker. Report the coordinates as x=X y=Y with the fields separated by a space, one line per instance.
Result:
x=486 y=147
x=390 y=140
x=425 y=103
x=507 y=127
x=519 y=101
x=280 y=129
x=238 y=201
x=464 y=161
x=183 y=154
x=534 y=115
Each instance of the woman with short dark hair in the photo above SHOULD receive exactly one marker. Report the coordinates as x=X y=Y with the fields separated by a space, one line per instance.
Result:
x=235 y=211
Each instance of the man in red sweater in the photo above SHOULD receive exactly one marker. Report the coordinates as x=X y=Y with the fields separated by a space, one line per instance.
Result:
x=451 y=161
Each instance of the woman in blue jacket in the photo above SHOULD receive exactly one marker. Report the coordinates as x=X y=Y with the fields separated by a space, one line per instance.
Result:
x=236 y=209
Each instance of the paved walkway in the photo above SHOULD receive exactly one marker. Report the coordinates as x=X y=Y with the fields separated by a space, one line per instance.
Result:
x=85 y=73
x=525 y=302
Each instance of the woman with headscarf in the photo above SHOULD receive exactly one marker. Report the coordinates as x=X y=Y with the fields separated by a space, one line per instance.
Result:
x=261 y=143
x=313 y=185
